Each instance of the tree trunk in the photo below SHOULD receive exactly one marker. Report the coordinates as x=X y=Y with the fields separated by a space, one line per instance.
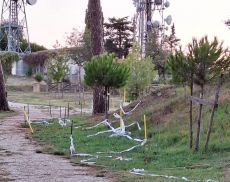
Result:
x=108 y=99
x=213 y=111
x=3 y=99
x=190 y=115
x=95 y=22
x=79 y=85
x=106 y=102
x=98 y=100
x=197 y=144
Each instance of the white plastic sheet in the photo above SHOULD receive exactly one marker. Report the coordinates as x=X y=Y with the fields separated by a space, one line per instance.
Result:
x=142 y=172
x=127 y=150
x=71 y=148
x=120 y=131
x=130 y=112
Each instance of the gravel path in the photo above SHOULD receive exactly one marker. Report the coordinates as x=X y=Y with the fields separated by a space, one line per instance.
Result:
x=19 y=161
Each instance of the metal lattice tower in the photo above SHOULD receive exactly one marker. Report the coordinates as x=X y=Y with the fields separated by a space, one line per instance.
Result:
x=140 y=23
x=14 y=26
x=150 y=15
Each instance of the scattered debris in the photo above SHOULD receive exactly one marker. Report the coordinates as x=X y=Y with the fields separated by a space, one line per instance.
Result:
x=122 y=159
x=71 y=148
x=142 y=172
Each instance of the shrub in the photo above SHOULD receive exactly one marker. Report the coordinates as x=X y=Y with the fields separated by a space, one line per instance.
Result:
x=29 y=72
x=38 y=77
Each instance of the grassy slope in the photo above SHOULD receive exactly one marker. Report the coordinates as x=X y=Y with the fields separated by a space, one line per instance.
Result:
x=167 y=149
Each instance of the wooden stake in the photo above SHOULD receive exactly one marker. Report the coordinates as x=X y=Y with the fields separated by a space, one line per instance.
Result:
x=50 y=109
x=24 y=114
x=28 y=121
x=60 y=111
x=120 y=118
x=71 y=128
x=124 y=95
x=213 y=111
x=145 y=126
x=65 y=113
x=68 y=110
x=81 y=108
x=28 y=110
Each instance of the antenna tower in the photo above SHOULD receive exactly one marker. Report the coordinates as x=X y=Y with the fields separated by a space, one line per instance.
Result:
x=150 y=15
x=13 y=26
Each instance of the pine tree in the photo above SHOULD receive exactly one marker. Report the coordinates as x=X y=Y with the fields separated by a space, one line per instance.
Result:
x=158 y=54
x=203 y=54
x=172 y=40
x=5 y=58
x=181 y=69
x=118 y=36
x=102 y=72
x=95 y=24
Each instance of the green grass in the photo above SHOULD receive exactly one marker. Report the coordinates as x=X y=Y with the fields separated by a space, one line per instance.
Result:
x=166 y=152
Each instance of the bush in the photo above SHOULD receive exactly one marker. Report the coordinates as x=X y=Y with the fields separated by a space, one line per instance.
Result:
x=29 y=72
x=38 y=77
x=142 y=73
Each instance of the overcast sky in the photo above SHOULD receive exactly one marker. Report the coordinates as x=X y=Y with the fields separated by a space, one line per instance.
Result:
x=49 y=20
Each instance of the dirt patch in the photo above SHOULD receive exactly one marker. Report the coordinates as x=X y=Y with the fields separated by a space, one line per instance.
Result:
x=19 y=160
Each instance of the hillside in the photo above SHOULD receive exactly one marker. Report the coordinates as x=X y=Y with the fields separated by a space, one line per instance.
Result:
x=166 y=151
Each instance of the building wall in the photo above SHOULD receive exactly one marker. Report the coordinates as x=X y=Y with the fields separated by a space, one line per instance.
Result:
x=20 y=68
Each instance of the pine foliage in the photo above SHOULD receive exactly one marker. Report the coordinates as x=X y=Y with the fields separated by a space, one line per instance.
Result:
x=180 y=67
x=118 y=36
x=204 y=54
x=101 y=71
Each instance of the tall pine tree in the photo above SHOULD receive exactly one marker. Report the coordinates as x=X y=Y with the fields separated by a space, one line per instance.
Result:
x=172 y=40
x=118 y=36
x=95 y=25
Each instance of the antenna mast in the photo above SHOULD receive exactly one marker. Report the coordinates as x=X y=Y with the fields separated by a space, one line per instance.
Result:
x=150 y=15
x=14 y=26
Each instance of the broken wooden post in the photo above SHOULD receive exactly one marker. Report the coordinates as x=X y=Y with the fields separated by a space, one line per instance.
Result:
x=214 y=108
x=201 y=101
x=190 y=114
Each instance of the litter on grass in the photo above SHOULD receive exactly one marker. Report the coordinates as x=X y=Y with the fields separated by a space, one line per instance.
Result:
x=92 y=160
x=120 y=131
x=122 y=159
x=127 y=150
x=63 y=122
x=41 y=122
x=130 y=112
x=71 y=148
x=142 y=172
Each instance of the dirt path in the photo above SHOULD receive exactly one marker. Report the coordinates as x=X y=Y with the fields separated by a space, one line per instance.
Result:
x=19 y=161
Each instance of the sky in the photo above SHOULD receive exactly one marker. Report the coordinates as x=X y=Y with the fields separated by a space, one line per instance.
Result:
x=50 y=20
